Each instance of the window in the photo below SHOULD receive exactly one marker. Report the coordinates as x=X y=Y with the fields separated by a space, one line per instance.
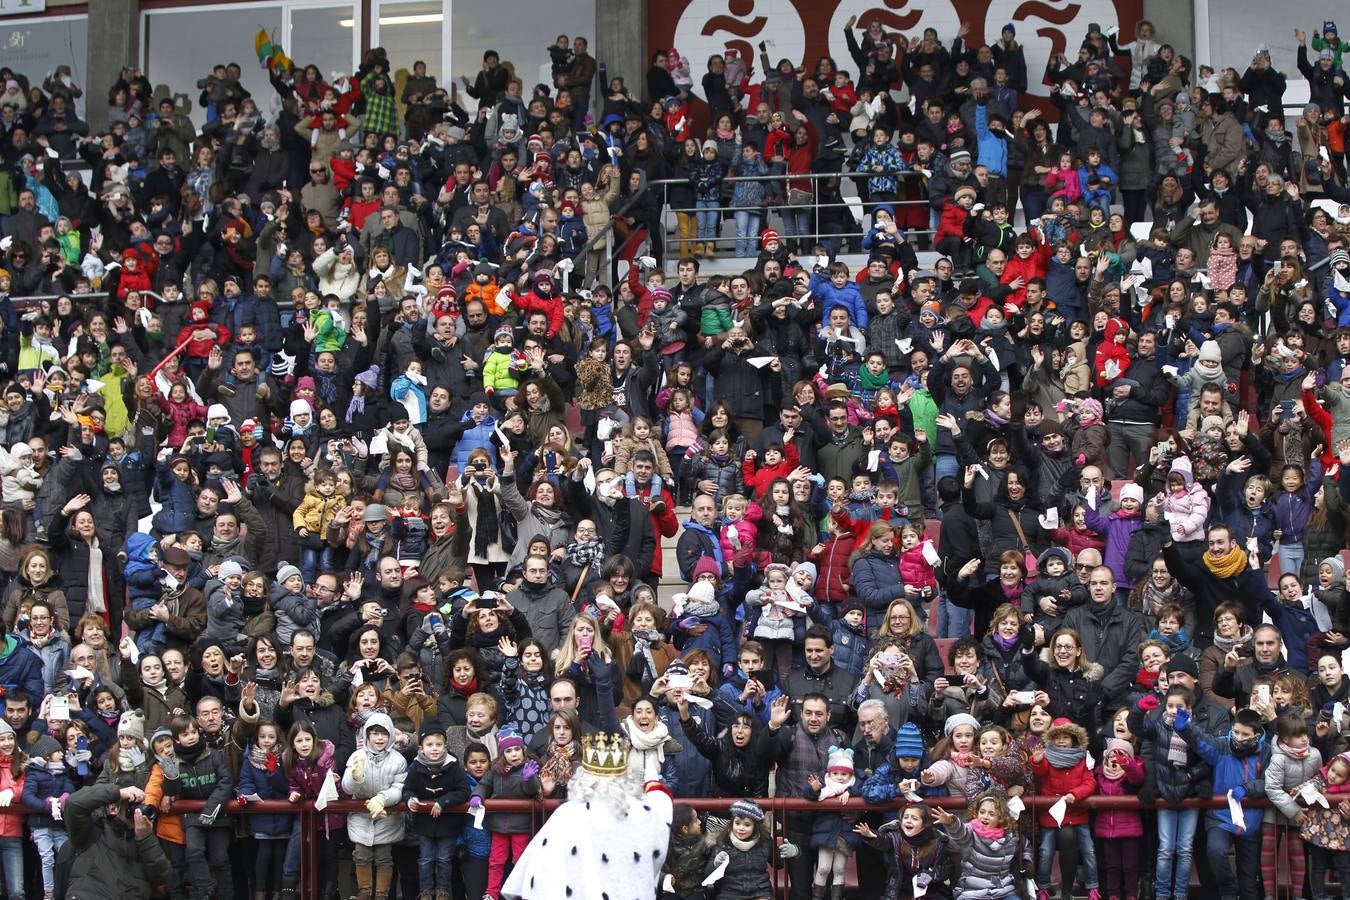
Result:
x=34 y=47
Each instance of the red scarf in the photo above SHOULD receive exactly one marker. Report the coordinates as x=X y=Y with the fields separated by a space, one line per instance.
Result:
x=465 y=691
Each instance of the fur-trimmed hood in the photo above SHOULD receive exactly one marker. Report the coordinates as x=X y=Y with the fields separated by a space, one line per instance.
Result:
x=1092 y=671
x=1073 y=730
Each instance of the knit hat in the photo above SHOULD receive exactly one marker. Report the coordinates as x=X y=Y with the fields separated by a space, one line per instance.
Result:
x=1326 y=54
x=954 y=722
x=286 y=570
x=841 y=760
x=231 y=568
x=430 y=727
x=1009 y=29
x=131 y=723
x=217 y=411
x=741 y=809
x=959 y=156
x=1210 y=352
x=1209 y=422
x=1090 y=406
x=908 y=742
x=767 y=235
x=1133 y=492
x=5 y=727
x=508 y=737
x=807 y=567
x=160 y=732
x=1180 y=662
x=1337 y=567
x=709 y=145
x=659 y=293
x=706 y=565
x=1121 y=746
x=44 y=747
x=964 y=190
x=1329 y=26
x=300 y=407
x=931 y=306
x=370 y=378
x=701 y=592
x=21 y=449
x=850 y=605
x=375 y=512
x=543 y=275
x=504 y=331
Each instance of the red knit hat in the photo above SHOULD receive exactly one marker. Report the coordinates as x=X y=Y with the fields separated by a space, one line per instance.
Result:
x=768 y=235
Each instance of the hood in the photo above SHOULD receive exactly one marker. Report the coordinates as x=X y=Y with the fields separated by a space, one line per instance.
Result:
x=1058 y=553
x=1182 y=466
x=1113 y=327
x=138 y=547
x=1073 y=730
x=383 y=721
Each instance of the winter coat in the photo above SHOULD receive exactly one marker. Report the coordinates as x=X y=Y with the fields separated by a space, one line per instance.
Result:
x=1230 y=773
x=876 y=581
x=40 y=788
x=445 y=785
x=526 y=698
x=1170 y=782
x=268 y=785
x=747 y=873
x=508 y=785
x=104 y=860
x=987 y=865
x=736 y=771
x=384 y=775
x=1054 y=782
x=1111 y=637
x=1074 y=693
x=307 y=780
x=205 y=777
x=687 y=772
x=1117 y=529
x=1120 y=823
x=1286 y=774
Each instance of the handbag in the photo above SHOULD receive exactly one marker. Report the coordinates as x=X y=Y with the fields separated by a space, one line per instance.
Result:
x=799 y=197
x=1030 y=558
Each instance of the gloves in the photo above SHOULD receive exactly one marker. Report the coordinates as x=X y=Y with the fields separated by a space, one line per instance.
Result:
x=1026 y=636
x=788 y=850
x=359 y=767
x=6 y=798
x=1238 y=792
x=1183 y=721
x=375 y=806
x=1148 y=702
x=475 y=802
x=688 y=622
x=647 y=262
x=169 y=766
x=208 y=817
x=529 y=770
x=721 y=859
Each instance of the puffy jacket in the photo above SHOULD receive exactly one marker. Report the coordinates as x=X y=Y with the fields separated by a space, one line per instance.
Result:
x=1286 y=774
x=206 y=777
x=1232 y=773
x=1053 y=782
x=269 y=783
x=876 y=581
x=1119 y=823
x=1117 y=529
x=104 y=859
x=383 y=774
x=987 y=865
x=726 y=475
x=477 y=842
x=507 y=785
x=851 y=645
x=915 y=570
x=307 y=780
x=315 y=512
x=475 y=437
x=20 y=667
x=444 y=785
x=1170 y=781
x=11 y=825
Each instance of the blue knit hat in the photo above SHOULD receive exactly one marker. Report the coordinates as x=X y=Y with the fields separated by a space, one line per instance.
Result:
x=746 y=809
x=508 y=737
x=908 y=742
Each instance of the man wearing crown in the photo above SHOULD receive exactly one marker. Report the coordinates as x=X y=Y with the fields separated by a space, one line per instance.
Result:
x=608 y=840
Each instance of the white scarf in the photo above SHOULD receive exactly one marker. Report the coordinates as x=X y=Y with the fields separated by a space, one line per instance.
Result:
x=649 y=745
x=743 y=846
x=96 y=602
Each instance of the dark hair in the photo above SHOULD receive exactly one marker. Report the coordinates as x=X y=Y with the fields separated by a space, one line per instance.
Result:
x=819 y=632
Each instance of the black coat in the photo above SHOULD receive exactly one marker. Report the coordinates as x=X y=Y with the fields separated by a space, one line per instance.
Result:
x=737 y=772
x=445 y=786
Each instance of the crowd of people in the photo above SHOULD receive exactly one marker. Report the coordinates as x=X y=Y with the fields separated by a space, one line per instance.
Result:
x=338 y=461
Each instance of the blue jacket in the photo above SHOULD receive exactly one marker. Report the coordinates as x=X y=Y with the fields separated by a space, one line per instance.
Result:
x=849 y=297
x=727 y=700
x=268 y=786
x=474 y=438
x=39 y=788
x=993 y=148
x=688 y=772
x=851 y=646
x=719 y=641
x=1245 y=775
x=477 y=842
x=1296 y=624
x=20 y=667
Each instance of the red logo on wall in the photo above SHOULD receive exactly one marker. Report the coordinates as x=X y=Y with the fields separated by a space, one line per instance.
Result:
x=804 y=30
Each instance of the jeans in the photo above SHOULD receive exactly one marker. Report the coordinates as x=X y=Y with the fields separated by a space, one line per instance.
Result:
x=434 y=858
x=1076 y=852
x=708 y=217
x=11 y=855
x=1126 y=441
x=208 y=861
x=1247 y=853
x=1291 y=557
x=945 y=464
x=313 y=561
x=952 y=620
x=796 y=221
x=747 y=232
x=49 y=840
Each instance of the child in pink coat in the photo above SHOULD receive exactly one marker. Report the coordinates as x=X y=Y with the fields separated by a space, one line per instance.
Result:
x=1122 y=830
x=1185 y=503
x=915 y=570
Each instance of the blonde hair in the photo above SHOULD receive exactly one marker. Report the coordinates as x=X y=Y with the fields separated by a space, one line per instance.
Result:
x=485 y=700
x=568 y=652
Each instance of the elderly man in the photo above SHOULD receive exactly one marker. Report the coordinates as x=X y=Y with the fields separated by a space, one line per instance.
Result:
x=1237 y=676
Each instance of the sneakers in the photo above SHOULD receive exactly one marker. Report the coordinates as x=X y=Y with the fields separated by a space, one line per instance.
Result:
x=1094 y=894
x=1042 y=894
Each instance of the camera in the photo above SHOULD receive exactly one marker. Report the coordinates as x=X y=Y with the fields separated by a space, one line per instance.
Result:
x=149 y=810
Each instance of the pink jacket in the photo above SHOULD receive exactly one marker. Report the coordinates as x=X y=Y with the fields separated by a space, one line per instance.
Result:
x=747 y=530
x=1118 y=823
x=915 y=570
x=681 y=431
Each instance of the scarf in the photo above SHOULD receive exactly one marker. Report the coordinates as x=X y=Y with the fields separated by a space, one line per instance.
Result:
x=714 y=542
x=1175 y=643
x=97 y=599
x=725 y=135
x=835 y=788
x=263 y=760
x=585 y=554
x=355 y=407
x=651 y=746
x=465 y=690
x=869 y=382
x=1004 y=644
x=994 y=418
x=743 y=846
x=988 y=832
x=486 y=738
x=431 y=765
x=486 y=530
x=1227 y=644
x=1293 y=752
x=161 y=687
x=126 y=759
x=1013 y=593
x=224 y=548
x=403 y=482
x=1226 y=565
x=1065 y=757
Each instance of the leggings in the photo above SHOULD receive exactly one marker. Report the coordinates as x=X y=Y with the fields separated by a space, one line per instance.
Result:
x=486 y=575
x=830 y=864
x=505 y=847
x=270 y=853
x=1272 y=837
x=1121 y=875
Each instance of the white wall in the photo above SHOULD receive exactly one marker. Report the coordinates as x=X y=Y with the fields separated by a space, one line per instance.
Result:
x=519 y=30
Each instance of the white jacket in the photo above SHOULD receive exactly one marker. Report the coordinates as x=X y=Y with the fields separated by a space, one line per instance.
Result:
x=383 y=773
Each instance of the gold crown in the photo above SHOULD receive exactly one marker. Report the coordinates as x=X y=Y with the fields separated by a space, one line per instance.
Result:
x=603 y=753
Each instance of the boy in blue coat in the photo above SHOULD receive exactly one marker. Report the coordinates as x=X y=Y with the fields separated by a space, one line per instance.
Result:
x=1239 y=762
x=838 y=290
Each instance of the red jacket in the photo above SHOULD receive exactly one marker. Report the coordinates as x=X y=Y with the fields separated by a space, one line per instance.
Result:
x=760 y=480
x=11 y=820
x=835 y=582
x=1033 y=266
x=665 y=523
x=1052 y=782
x=953 y=221
x=197 y=348
x=551 y=306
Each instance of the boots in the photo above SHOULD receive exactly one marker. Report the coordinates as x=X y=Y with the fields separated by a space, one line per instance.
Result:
x=363 y=882
x=441 y=894
x=817 y=892
x=836 y=891
x=382 y=879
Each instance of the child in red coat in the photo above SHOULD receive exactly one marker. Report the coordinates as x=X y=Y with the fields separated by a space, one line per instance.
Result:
x=201 y=336
x=135 y=274
x=915 y=569
x=779 y=461
x=1113 y=357
x=951 y=233
x=1060 y=768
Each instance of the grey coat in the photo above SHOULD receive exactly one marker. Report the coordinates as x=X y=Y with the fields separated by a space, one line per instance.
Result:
x=1284 y=775
x=986 y=871
x=384 y=774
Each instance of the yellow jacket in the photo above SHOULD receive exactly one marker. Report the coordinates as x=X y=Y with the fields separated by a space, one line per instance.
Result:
x=315 y=512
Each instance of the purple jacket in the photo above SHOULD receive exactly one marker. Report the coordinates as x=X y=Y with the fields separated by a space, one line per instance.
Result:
x=1117 y=530
x=1118 y=823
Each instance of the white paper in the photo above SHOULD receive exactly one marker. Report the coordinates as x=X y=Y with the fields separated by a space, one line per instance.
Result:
x=1091 y=763
x=1338 y=715
x=379 y=444
x=478 y=817
x=993 y=359
x=909 y=787
x=790 y=604
x=1016 y=807
x=59 y=711
x=56 y=808
x=668 y=883
x=253 y=797
x=873 y=460
x=905 y=344
x=716 y=874
x=1235 y=811
x=930 y=554
x=1310 y=795
x=920 y=885
x=327 y=793
x=1058 y=811
x=79 y=673
x=760 y=362
x=1052 y=517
